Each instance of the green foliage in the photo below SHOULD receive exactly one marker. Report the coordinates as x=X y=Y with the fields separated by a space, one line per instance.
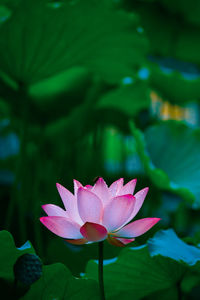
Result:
x=58 y=84
x=165 y=264
x=152 y=19
x=161 y=267
x=172 y=166
x=85 y=33
x=188 y=45
x=128 y=100
x=5 y=13
x=56 y=280
x=136 y=274
x=173 y=86
x=190 y=10
x=69 y=85
x=9 y=254
x=171 y=40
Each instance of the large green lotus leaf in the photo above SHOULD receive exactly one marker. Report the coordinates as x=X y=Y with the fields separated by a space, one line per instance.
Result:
x=170 y=152
x=160 y=267
x=9 y=254
x=58 y=283
x=43 y=38
x=135 y=274
x=167 y=244
x=173 y=86
x=128 y=99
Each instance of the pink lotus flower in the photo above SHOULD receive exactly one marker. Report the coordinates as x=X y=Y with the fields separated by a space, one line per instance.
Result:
x=95 y=213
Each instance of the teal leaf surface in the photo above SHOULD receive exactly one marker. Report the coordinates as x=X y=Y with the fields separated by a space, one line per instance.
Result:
x=170 y=154
x=168 y=244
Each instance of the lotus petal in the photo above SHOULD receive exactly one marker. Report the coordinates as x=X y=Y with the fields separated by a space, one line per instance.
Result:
x=54 y=210
x=101 y=190
x=136 y=228
x=139 y=196
x=62 y=227
x=77 y=185
x=93 y=232
x=128 y=188
x=70 y=203
x=90 y=206
x=116 y=186
x=118 y=211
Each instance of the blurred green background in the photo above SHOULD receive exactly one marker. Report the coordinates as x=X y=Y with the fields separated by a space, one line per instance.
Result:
x=98 y=88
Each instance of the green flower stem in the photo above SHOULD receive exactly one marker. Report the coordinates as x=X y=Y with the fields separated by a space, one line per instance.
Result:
x=101 y=284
